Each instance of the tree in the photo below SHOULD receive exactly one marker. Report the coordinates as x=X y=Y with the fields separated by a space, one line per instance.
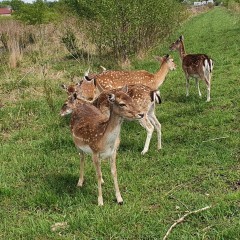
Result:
x=36 y=13
x=127 y=27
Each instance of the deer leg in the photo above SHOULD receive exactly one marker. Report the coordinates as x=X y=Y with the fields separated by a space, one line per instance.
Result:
x=96 y=161
x=149 y=127
x=157 y=126
x=208 y=90
x=81 y=178
x=114 y=174
x=187 y=85
x=208 y=82
x=197 y=83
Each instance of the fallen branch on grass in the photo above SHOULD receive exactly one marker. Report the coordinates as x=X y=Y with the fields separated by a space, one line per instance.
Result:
x=213 y=139
x=182 y=219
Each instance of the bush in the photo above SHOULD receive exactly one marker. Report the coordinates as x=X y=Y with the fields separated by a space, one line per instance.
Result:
x=123 y=28
x=36 y=13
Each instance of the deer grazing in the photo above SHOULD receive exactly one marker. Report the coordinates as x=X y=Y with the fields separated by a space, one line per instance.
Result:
x=194 y=65
x=98 y=135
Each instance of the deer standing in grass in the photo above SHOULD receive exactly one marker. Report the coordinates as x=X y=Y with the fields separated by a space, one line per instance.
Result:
x=194 y=65
x=95 y=134
x=109 y=79
x=141 y=94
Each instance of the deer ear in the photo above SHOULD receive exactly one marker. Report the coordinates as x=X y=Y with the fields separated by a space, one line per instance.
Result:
x=74 y=96
x=64 y=87
x=159 y=59
x=125 y=89
x=79 y=83
x=166 y=56
x=111 y=98
x=181 y=37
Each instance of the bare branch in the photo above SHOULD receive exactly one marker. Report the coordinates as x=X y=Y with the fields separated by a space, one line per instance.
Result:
x=182 y=219
x=213 y=139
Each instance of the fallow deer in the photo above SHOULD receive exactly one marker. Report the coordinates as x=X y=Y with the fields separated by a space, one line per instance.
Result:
x=145 y=98
x=95 y=134
x=85 y=88
x=115 y=79
x=142 y=96
x=194 y=65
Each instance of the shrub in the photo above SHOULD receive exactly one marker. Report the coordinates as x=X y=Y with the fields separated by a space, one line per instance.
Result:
x=14 y=37
x=123 y=28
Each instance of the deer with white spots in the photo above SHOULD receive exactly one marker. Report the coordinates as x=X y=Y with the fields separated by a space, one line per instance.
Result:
x=144 y=93
x=109 y=79
x=98 y=135
x=85 y=88
x=141 y=95
x=194 y=65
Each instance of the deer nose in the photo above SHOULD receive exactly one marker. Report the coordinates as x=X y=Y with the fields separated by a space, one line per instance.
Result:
x=141 y=115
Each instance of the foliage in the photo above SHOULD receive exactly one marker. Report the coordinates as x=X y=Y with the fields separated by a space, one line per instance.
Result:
x=123 y=28
x=198 y=165
x=36 y=13
x=15 y=4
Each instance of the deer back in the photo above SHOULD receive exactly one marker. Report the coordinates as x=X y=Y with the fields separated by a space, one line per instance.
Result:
x=195 y=64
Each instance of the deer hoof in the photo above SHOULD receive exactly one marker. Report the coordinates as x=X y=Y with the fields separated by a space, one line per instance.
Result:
x=143 y=152
x=100 y=201
x=80 y=183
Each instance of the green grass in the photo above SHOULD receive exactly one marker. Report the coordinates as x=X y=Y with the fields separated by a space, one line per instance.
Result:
x=40 y=165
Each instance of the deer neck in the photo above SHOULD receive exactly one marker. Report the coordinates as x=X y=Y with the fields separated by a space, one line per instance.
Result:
x=182 y=51
x=159 y=77
x=113 y=127
x=114 y=120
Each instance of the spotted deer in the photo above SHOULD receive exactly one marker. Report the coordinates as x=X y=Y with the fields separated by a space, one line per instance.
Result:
x=146 y=99
x=97 y=135
x=109 y=79
x=146 y=82
x=194 y=65
x=85 y=88
x=141 y=95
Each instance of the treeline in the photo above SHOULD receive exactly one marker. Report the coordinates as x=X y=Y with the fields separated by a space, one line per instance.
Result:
x=119 y=29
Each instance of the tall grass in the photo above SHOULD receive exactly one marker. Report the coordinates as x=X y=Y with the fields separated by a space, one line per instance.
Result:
x=198 y=166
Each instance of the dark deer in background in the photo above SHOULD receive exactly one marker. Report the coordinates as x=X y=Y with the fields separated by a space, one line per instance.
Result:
x=194 y=65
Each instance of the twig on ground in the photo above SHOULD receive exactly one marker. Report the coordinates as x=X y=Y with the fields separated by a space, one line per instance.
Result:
x=25 y=75
x=213 y=139
x=182 y=219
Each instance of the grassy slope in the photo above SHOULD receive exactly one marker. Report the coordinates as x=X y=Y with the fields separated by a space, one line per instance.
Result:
x=39 y=163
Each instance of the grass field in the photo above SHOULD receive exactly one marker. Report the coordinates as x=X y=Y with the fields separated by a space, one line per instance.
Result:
x=198 y=166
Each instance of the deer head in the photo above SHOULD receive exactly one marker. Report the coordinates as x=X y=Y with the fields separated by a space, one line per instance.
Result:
x=177 y=44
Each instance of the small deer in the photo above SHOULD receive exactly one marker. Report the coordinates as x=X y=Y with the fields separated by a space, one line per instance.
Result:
x=95 y=134
x=194 y=65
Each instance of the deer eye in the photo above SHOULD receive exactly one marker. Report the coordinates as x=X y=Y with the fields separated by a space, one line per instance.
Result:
x=122 y=105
